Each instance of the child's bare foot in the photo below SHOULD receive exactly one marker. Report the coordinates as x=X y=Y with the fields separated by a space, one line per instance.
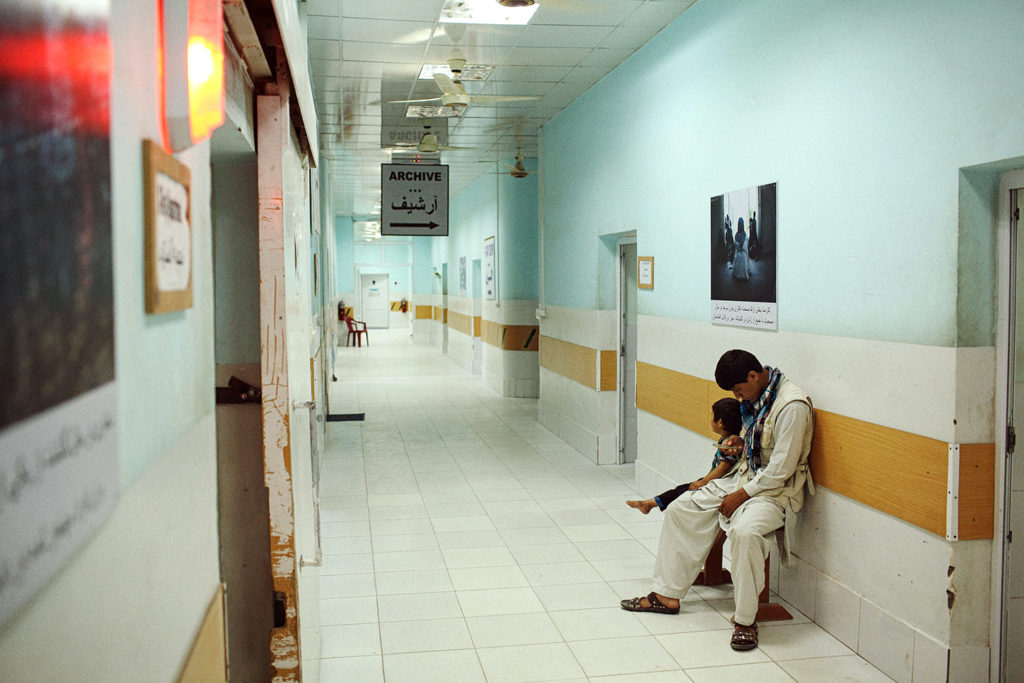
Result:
x=643 y=506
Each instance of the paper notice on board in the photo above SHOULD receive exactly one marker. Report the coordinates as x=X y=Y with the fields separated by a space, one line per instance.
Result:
x=173 y=235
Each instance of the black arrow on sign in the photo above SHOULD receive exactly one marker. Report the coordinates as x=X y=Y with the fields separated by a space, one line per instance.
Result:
x=431 y=225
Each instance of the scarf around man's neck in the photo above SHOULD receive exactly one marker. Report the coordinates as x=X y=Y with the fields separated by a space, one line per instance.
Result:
x=755 y=414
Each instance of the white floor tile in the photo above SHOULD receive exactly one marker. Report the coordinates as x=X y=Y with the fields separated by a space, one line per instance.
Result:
x=478 y=557
x=707 y=648
x=522 y=663
x=434 y=667
x=404 y=542
x=591 y=624
x=425 y=636
x=419 y=581
x=483 y=578
x=339 y=611
x=762 y=672
x=560 y=573
x=616 y=656
x=849 y=668
x=347 y=586
x=461 y=537
x=347 y=669
x=351 y=640
x=500 y=601
x=513 y=629
x=578 y=596
x=418 y=606
x=799 y=641
x=546 y=553
x=408 y=560
x=346 y=564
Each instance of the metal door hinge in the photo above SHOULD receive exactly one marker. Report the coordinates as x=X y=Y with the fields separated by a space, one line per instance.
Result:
x=1011 y=438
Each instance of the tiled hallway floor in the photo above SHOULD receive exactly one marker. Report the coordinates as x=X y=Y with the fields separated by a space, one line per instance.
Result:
x=464 y=542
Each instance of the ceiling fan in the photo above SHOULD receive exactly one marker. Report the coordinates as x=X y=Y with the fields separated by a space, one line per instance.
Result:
x=428 y=143
x=454 y=95
x=517 y=171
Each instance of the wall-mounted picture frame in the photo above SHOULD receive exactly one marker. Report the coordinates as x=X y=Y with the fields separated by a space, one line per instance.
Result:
x=645 y=272
x=167 y=185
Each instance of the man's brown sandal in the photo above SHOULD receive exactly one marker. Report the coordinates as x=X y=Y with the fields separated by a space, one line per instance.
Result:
x=744 y=637
x=654 y=605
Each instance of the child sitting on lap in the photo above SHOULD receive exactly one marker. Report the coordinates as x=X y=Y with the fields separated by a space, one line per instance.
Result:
x=726 y=422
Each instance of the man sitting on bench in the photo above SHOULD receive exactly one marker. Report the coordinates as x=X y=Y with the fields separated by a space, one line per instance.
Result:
x=760 y=495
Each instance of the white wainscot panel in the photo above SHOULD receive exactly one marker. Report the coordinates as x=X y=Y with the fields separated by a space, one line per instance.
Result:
x=676 y=454
x=880 y=557
x=460 y=349
x=878 y=382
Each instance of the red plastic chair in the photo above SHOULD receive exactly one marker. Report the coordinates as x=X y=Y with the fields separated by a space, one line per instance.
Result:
x=356 y=331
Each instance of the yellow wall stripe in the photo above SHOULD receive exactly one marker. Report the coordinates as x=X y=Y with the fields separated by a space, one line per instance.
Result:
x=460 y=322
x=896 y=472
x=510 y=337
x=424 y=312
x=476 y=325
x=609 y=370
x=578 y=363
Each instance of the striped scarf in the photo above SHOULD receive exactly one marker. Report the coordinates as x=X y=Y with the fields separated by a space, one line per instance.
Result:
x=754 y=415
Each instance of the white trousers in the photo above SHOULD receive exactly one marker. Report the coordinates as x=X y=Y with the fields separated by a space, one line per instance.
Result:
x=689 y=530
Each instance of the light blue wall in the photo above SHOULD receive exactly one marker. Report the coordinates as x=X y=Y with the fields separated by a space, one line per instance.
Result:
x=863 y=113
x=343 y=259
x=422 y=268
x=495 y=205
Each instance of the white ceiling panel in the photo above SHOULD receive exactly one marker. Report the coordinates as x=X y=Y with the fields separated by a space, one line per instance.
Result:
x=377 y=31
x=585 y=12
x=658 y=13
x=381 y=52
x=365 y=53
x=564 y=36
x=409 y=10
x=529 y=73
x=606 y=56
x=629 y=37
x=547 y=56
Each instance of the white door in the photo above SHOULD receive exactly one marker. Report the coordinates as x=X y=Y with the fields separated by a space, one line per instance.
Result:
x=375 y=310
x=627 y=352
x=1012 y=603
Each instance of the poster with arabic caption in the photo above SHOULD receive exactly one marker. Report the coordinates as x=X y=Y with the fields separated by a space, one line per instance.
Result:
x=744 y=231
x=58 y=455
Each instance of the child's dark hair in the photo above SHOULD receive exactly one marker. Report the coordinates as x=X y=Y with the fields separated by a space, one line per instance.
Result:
x=728 y=411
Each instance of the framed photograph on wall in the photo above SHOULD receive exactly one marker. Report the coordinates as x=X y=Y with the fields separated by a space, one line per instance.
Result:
x=744 y=236
x=168 y=245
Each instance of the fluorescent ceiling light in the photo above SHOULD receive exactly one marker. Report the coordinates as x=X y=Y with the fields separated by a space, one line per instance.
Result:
x=470 y=72
x=485 y=12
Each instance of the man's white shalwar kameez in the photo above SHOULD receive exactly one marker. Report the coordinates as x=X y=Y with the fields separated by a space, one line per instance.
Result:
x=692 y=521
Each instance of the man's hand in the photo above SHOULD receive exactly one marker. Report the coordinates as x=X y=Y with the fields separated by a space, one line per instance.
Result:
x=733 y=501
x=643 y=506
x=697 y=484
x=732 y=446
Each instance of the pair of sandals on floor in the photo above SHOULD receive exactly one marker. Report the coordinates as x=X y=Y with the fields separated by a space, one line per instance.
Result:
x=743 y=637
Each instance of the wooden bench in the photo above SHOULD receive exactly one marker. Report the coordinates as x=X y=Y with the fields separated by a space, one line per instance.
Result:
x=714 y=575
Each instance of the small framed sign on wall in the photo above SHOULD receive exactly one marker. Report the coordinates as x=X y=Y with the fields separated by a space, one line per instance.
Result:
x=168 y=245
x=645 y=272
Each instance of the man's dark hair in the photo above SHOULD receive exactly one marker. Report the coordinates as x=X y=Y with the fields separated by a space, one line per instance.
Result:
x=734 y=366
x=728 y=411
